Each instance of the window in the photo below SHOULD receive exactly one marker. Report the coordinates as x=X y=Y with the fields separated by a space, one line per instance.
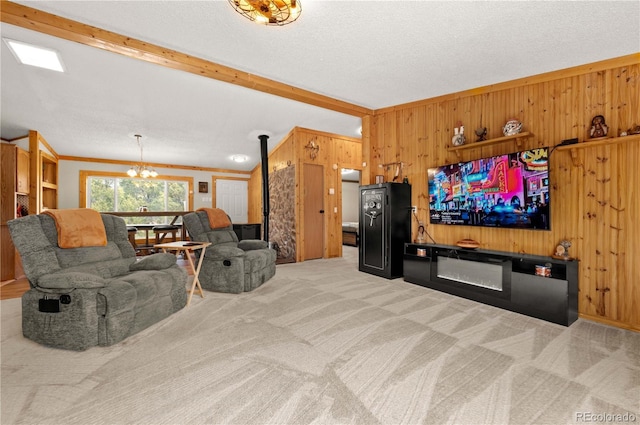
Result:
x=113 y=192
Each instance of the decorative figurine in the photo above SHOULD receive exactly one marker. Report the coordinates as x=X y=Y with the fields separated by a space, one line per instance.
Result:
x=562 y=250
x=512 y=127
x=421 y=234
x=458 y=138
x=482 y=134
x=598 y=127
x=635 y=129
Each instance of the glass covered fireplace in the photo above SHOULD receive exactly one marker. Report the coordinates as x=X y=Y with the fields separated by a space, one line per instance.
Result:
x=482 y=274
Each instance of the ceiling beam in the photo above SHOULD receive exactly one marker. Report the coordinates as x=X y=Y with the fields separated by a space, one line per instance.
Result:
x=47 y=23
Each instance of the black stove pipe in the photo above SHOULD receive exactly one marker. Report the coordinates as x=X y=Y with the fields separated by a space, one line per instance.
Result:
x=265 y=184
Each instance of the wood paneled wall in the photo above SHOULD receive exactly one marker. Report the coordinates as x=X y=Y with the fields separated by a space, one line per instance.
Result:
x=594 y=199
x=334 y=150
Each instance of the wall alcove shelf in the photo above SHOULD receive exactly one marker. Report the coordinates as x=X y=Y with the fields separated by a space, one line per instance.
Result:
x=48 y=182
x=475 y=145
x=593 y=143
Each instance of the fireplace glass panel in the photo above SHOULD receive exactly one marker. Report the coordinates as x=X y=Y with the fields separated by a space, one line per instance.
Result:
x=475 y=273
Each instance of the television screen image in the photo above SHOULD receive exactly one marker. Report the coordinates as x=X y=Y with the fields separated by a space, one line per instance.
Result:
x=509 y=190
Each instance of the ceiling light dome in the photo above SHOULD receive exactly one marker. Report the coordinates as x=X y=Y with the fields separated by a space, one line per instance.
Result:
x=239 y=158
x=268 y=12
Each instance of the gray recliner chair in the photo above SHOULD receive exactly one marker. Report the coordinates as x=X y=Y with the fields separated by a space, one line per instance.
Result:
x=94 y=295
x=230 y=265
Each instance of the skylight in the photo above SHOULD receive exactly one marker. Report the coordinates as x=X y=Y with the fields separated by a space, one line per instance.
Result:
x=28 y=54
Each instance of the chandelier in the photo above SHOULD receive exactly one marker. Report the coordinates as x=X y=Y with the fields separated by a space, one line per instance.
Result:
x=268 y=12
x=141 y=169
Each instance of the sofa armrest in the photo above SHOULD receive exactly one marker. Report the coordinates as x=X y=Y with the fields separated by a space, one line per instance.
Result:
x=223 y=252
x=71 y=280
x=251 y=244
x=157 y=261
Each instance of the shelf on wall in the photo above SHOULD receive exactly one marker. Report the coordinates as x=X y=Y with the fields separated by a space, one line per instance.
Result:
x=48 y=181
x=573 y=149
x=475 y=145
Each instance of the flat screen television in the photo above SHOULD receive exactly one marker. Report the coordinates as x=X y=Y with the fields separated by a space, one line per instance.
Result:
x=509 y=190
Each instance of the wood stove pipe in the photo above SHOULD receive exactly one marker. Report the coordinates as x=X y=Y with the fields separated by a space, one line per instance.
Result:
x=265 y=184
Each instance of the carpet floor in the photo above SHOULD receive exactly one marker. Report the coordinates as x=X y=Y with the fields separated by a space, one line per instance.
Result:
x=322 y=343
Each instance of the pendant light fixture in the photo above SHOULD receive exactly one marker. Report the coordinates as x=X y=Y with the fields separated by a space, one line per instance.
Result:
x=141 y=169
x=268 y=12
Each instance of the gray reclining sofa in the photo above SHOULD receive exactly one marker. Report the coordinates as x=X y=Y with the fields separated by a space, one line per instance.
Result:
x=98 y=295
x=229 y=265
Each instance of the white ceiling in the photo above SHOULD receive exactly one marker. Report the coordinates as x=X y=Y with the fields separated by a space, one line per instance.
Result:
x=370 y=53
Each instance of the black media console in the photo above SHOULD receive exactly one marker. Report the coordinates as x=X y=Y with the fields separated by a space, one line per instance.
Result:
x=538 y=286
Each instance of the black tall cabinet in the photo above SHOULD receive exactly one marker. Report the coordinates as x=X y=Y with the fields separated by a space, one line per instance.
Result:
x=385 y=226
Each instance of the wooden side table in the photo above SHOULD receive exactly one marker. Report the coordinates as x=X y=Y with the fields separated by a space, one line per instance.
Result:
x=188 y=247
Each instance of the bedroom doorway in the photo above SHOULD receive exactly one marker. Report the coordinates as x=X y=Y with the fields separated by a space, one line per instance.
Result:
x=350 y=206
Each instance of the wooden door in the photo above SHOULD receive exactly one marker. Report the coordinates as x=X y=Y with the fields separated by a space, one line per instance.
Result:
x=313 y=201
x=22 y=171
x=8 y=211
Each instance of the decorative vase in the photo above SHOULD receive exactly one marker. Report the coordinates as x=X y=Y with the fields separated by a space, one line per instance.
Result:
x=458 y=137
x=598 y=127
x=512 y=127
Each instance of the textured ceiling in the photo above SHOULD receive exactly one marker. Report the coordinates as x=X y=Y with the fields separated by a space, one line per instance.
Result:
x=370 y=53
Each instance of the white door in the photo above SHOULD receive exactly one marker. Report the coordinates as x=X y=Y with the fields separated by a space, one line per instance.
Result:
x=232 y=196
